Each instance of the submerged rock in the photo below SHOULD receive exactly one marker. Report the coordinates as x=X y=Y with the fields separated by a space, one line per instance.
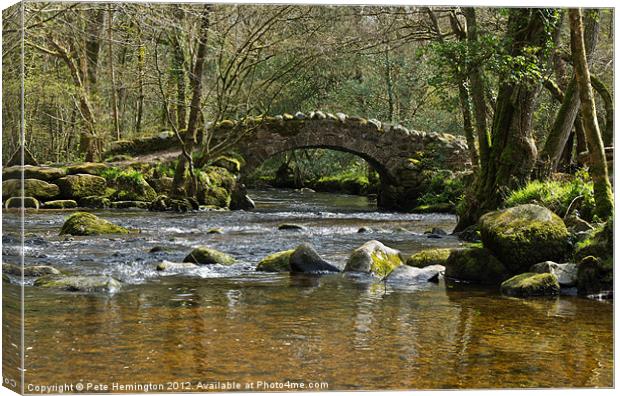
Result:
x=32 y=188
x=565 y=273
x=80 y=283
x=277 y=262
x=30 y=270
x=364 y=230
x=374 y=258
x=405 y=274
x=60 y=204
x=524 y=235
x=477 y=265
x=215 y=231
x=81 y=186
x=176 y=267
x=306 y=260
x=294 y=227
x=427 y=257
x=207 y=255
x=530 y=284
x=82 y=223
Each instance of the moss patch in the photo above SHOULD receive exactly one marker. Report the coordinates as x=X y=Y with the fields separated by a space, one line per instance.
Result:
x=82 y=223
x=428 y=257
x=207 y=255
x=277 y=262
x=531 y=284
x=475 y=264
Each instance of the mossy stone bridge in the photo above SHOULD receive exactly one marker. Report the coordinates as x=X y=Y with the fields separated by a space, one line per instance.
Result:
x=405 y=160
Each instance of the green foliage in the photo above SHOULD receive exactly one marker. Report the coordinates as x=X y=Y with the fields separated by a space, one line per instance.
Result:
x=444 y=187
x=557 y=195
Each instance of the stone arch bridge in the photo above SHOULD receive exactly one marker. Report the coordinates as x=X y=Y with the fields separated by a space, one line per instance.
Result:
x=405 y=160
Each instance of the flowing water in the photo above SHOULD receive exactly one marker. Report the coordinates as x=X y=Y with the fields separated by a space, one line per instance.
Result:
x=223 y=327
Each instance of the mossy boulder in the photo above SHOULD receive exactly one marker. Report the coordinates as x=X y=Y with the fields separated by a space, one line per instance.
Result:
x=45 y=173
x=524 y=235
x=566 y=273
x=18 y=203
x=530 y=285
x=374 y=258
x=207 y=255
x=87 y=168
x=599 y=243
x=105 y=284
x=32 y=188
x=277 y=262
x=131 y=186
x=60 y=204
x=215 y=186
x=232 y=165
x=30 y=270
x=428 y=257
x=595 y=275
x=476 y=265
x=129 y=205
x=95 y=202
x=81 y=186
x=162 y=185
x=305 y=259
x=82 y=223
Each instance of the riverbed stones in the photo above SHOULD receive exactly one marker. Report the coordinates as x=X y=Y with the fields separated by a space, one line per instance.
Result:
x=169 y=266
x=30 y=270
x=60 y=204
x=476 y=265
x=18 y=203
x=102 y=283
x=32 y=188
x=291 y=227
x=530 y=285
x=82 y=223
x=566 y=273
x=45 y=173
x=524 y=235
x=305 y=259
x=425 y=258
x=277 y=262
x=80 y=186
x=207 y=255
x=405 y=274
x=374 y=258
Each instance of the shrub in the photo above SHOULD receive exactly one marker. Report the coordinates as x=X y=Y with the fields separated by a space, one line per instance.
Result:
x=444 y=187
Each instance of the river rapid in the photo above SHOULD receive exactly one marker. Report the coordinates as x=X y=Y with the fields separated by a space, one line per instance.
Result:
x=230 y=324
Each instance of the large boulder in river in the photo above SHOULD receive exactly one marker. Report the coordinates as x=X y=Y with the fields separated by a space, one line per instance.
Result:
x=374 y=258
x=427 y=257
x=81 y=186
x=207 y=255
x=133 y=187
x=45 y=173
x=476 y=265
x=29 y=270
x=277 y=262
x=105 y=284
x=32 y=188
x=18 y=203
x=407 y=275
x=306 y=260
x=524 y=235
x=530 y=284
x=82 y=223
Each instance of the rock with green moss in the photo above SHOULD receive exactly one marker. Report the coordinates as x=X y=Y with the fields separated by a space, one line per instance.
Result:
x=566 y=273
x=374 y=258
x=428 y=257
x=45 y=173
x=105 y=284
x=95 y=202
x=32 y=188
x=131 y=186
x=82 y=223
x=60 y=204
x=442 y=207
x=476 y=265
x=230 y=164
x=30 y=270
x=18 y=203
x=80 y=186
x=87 y=168
x=531 y=284
x=162 y=185
x=524 y=235
x=599 y=243
x=305 y=259
x=129 y=205
x=207 y=255
x=595 y=275
x=277 y=262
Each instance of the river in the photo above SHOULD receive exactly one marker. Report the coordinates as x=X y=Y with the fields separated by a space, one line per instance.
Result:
x=233 y=324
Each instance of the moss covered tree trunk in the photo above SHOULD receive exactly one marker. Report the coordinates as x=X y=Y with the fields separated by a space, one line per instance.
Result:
x=512 y=153
x=603 y=195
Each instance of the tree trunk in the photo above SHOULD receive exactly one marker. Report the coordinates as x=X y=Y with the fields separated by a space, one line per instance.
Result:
x=608 y=131
x=513 y=151
x=603 y=196
x=114 y=104
x=94 y=29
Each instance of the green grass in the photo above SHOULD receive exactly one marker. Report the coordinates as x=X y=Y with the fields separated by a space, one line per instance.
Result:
x=557 y=195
